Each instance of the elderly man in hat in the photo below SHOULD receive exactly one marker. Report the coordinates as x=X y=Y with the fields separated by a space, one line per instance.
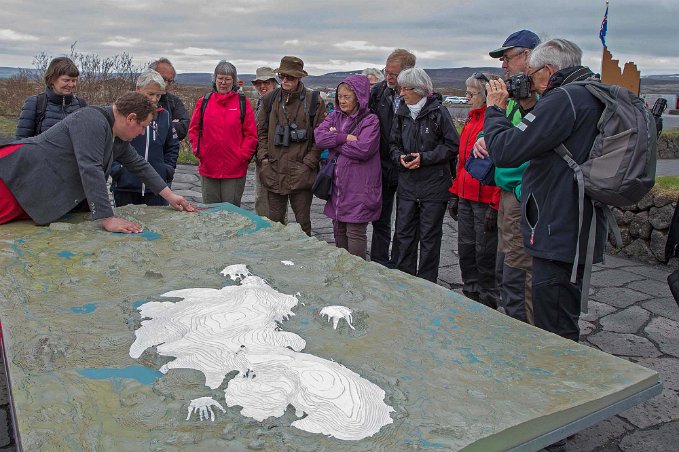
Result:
x=516 y=270
x=287 y=155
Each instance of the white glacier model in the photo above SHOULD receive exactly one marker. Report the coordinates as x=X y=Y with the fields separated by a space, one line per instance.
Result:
x=336 y=313
x=218 y=331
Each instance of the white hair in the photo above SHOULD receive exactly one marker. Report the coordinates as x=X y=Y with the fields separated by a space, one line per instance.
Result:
x=150 y=76
x=417 y=79
x=559 y=53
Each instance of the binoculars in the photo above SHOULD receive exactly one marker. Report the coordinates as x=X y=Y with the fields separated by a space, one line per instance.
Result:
x=285 y=134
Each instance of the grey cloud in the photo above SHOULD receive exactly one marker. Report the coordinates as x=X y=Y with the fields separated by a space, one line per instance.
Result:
x=443 y=33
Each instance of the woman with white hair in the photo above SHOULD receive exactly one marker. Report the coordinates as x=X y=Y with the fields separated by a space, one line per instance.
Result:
x=158 y=145
x=475 y=206
x=423 y=144
x=223 y=134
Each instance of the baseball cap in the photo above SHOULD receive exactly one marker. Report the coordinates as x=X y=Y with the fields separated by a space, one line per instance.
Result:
x=521 y=38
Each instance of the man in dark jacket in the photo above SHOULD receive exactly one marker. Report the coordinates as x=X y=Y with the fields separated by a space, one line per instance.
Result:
x=287 y=157
x=170 y=102
x=384 y=102
x=44 y=177
x=158 y=145
x=565 y=114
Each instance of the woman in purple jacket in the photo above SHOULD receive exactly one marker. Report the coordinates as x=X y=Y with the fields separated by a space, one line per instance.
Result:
x=352 y=134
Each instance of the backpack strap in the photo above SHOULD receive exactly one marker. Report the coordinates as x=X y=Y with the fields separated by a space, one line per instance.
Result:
x=269 y=105
x=40 y=109
x=242 y=99
x=203 y=106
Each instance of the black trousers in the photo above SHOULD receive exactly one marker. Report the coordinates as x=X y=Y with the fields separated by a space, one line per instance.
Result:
x=381 y=238
x=556 y=301
x=419 y=224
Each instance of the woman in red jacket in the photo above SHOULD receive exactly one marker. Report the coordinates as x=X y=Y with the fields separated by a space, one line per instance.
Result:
x=223 y=138
x=474 y=207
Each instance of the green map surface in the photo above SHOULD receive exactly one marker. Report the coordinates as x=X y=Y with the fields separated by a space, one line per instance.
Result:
x=456 y=373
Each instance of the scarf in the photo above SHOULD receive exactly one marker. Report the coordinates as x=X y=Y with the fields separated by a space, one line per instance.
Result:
x=416 y=108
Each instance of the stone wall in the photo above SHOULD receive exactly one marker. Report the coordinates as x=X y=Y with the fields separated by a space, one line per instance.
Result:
x=644 y=226
x=668 y=146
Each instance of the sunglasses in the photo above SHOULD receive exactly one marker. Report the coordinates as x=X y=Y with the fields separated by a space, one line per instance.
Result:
x=286 y=77
x=480 y=76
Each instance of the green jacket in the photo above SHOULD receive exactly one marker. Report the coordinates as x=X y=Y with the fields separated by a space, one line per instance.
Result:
x=509 y=179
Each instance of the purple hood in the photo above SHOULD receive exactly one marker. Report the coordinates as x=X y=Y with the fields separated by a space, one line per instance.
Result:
x=361 y=86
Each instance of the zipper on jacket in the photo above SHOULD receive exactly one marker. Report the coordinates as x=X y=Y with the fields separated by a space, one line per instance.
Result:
x=531 y=201
x=146 y=155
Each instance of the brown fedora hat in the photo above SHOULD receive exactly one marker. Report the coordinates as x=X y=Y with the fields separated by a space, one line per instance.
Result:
x=291 y=65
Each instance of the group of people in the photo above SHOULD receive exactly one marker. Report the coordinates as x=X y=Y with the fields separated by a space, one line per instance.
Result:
x=394 y=148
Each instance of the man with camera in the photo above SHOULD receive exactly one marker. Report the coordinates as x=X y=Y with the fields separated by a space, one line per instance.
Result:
x=286 y=153
x=566 y=114
x=515 y=287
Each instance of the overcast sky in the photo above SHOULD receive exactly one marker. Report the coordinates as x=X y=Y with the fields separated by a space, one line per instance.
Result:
x=333 y=35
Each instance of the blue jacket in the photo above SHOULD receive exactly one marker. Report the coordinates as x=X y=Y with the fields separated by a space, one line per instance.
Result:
x=58 y=107
x=159 y=146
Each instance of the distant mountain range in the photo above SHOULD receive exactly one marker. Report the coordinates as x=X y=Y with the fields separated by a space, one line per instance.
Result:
x=445 y=78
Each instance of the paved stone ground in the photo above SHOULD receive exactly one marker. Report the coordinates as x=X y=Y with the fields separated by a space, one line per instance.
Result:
x=632 y=315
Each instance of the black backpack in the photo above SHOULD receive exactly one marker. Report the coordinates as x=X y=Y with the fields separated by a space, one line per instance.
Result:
x=41 y=108
x=620 y=169
x=206 y=98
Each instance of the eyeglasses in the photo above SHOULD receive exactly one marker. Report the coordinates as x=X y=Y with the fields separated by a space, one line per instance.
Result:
x=345 y=97
x=222 y=79
x=470 y=94
x=506 y=58
x=480 y=76
x=406 y=89
x=168 y=81
x=286 y=77
x=390 y=74
x=530 y=76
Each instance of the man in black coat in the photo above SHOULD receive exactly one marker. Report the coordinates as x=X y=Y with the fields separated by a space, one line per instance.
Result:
x=170 y=102
x=384 y=102
x=566 y=114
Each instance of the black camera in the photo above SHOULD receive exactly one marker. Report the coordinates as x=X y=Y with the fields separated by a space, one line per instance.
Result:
x=282 y=136
x=518 y=86
x=658 y=109
x=659 y=106
x=297 y=135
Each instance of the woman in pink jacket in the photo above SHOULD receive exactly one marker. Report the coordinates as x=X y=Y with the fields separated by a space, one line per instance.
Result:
x=224 y=137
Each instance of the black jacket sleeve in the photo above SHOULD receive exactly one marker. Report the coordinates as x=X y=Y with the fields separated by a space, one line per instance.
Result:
x=26 y=124
x=180 y=117
x=540 y=131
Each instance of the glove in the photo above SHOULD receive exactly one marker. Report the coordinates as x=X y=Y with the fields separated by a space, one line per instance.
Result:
x=452 y=207
x=490 y=225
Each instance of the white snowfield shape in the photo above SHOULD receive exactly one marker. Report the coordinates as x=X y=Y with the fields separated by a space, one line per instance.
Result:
x=336 y=313
x=203 y=406
x=217 y=331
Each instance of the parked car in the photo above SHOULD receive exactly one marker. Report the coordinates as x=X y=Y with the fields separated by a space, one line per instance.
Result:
x=455 y=100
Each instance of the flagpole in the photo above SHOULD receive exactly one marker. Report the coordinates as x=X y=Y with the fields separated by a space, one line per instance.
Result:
x=602 y=36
